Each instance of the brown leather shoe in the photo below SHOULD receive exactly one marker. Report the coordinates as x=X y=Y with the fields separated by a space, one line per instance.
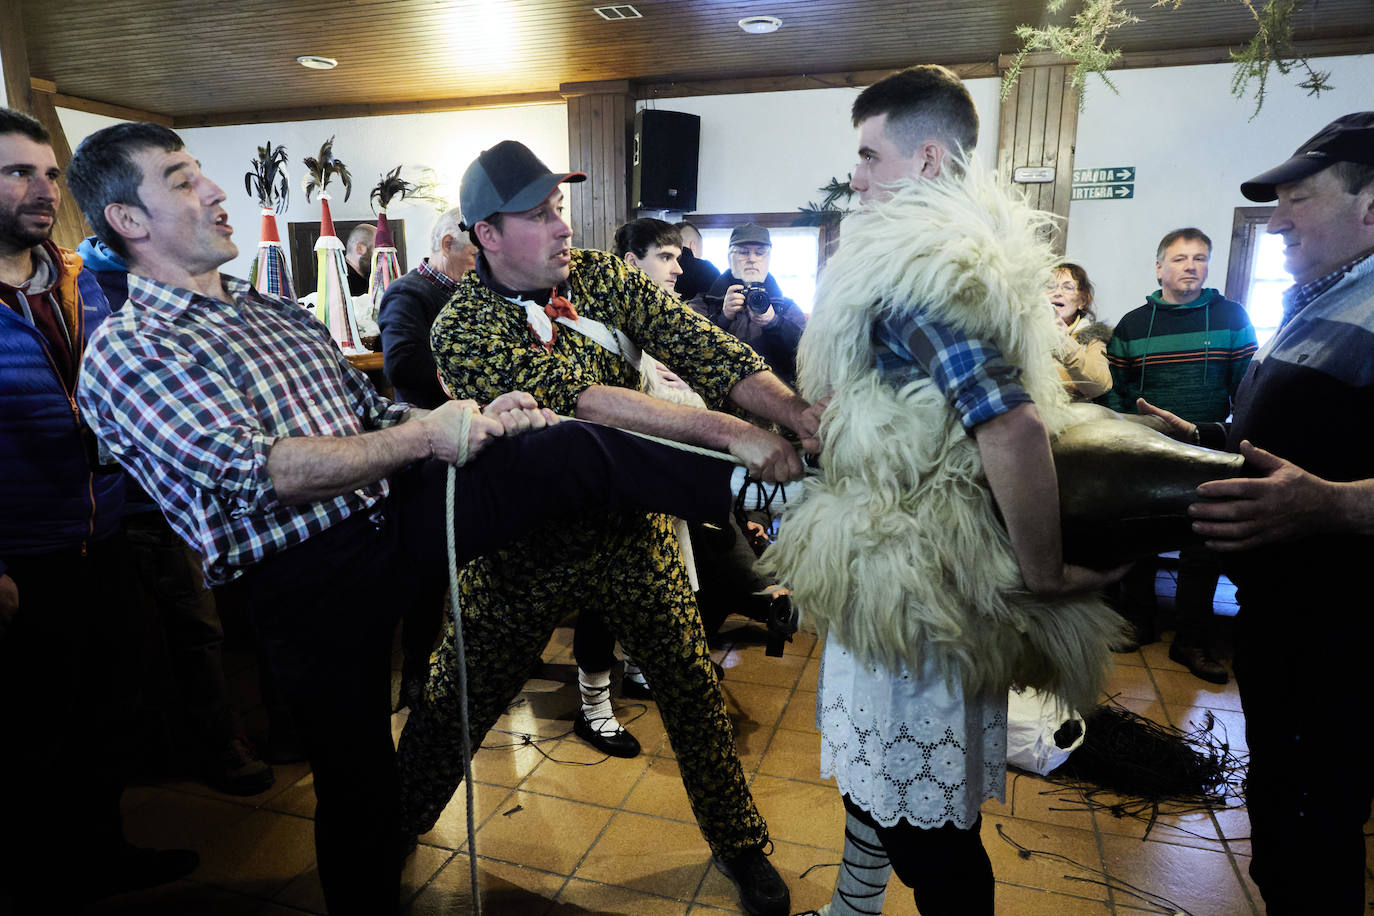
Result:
x=1199 y=661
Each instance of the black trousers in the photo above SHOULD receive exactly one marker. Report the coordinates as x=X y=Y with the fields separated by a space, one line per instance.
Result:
x=325 y=611
x=1198 y=573
x=947 y=868
x=68 y=692
x=1308 y=722
x=170 y=579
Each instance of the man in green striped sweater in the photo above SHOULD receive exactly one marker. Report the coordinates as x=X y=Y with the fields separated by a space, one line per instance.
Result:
x=1188 y=346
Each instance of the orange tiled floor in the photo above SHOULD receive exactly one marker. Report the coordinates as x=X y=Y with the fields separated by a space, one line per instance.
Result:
x=563 y=831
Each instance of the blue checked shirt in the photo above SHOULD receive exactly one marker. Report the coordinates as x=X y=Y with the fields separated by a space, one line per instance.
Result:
x=190 y=393
x=971 y=373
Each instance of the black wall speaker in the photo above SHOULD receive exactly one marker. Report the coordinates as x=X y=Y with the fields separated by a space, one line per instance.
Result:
x=663 y=160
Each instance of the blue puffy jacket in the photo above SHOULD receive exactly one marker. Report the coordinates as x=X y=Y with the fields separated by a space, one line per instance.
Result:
x=109 y=268
x=49 y=496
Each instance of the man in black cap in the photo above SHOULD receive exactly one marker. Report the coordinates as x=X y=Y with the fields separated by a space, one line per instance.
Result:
x=1300 y=533
x=747 y=302
x=566 y=324
x=316 y=505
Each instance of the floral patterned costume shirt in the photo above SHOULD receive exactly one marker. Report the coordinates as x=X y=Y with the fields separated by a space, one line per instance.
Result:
x=484 y=346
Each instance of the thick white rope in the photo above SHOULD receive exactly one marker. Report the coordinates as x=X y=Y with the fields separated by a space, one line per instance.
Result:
x=465 y=425
x=673 y=443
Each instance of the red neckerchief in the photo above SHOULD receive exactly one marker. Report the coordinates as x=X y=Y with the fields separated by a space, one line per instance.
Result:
x=557 y=307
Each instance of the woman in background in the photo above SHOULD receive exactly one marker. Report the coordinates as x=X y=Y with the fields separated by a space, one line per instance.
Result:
x=1082 y=354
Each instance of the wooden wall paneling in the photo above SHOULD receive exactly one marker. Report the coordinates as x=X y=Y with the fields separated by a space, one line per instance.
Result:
x=591 y=164
x=1039 y=120
x=620 y=152
x=599 y=119
x=1068 y=140
x=1007 y=132
x=575 y=145
x=15 y=53
x=1053 y=136
x=1035 y=140
x=1021 y=141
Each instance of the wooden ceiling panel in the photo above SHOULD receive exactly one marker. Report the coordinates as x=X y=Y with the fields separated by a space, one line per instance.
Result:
x=188 y=58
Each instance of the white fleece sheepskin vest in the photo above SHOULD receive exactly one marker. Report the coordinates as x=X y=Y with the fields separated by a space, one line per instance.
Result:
x=895 y=548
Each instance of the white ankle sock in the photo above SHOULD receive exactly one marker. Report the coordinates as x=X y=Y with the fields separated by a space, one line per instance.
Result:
x=595 y=688
x=633 y=673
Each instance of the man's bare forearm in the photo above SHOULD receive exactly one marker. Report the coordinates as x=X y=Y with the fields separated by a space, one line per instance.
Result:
x=305 y=469
x=626 y=408
x=765 y=395
x=1020 y=469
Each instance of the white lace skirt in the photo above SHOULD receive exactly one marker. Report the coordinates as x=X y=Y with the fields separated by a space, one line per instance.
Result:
x=905 y=747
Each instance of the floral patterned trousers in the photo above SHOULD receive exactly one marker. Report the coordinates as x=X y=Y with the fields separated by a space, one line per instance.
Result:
x=628 y=565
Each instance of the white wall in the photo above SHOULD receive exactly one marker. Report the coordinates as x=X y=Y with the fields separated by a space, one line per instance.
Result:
x=443 y=141
x=78 y=125
x=1192 y=144
x=770 y=152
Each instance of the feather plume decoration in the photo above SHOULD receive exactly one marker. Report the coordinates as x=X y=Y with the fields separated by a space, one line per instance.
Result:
x=391 y=187
x=322 y=169
x=267 y=180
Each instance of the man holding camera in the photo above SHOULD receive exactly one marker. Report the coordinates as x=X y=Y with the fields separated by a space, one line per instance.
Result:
x=746 y=301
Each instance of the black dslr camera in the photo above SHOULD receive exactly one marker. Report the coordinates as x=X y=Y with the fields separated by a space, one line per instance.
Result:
x=756 y=298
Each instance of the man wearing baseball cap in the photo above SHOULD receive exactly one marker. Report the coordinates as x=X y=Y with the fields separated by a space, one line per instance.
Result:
x=1299 y=534
x=747 y=302
x=566 y=324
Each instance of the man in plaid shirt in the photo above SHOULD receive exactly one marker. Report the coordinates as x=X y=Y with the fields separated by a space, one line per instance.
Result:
x=313 y=501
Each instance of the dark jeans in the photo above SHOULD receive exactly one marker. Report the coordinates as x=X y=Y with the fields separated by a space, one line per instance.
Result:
x=1308 y=724
x=191 y=626
x=326 y=609
x=1198 y=572
x=68 y=675
x=947 y=868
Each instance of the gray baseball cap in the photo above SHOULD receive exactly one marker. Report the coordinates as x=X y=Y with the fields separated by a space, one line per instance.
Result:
x=507 y=178
x=751 y=234
x=1346 y=139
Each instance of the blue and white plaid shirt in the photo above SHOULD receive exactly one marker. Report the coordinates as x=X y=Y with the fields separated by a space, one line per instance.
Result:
x=971 y=373
x=190 y=393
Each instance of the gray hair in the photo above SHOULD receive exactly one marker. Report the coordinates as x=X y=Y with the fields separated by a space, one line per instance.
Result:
x=448 y=223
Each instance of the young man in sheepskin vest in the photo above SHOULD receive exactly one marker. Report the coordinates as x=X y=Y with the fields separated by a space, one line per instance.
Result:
x=932 y=344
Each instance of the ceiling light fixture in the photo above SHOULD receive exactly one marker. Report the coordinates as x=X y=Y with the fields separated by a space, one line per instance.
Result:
x=315 y=62
x=760 y=25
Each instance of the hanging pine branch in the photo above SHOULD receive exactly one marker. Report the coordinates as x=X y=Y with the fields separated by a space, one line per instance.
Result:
x=1083 y=41
x=1272 y=46
x=324 y=168
x=267 y=180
